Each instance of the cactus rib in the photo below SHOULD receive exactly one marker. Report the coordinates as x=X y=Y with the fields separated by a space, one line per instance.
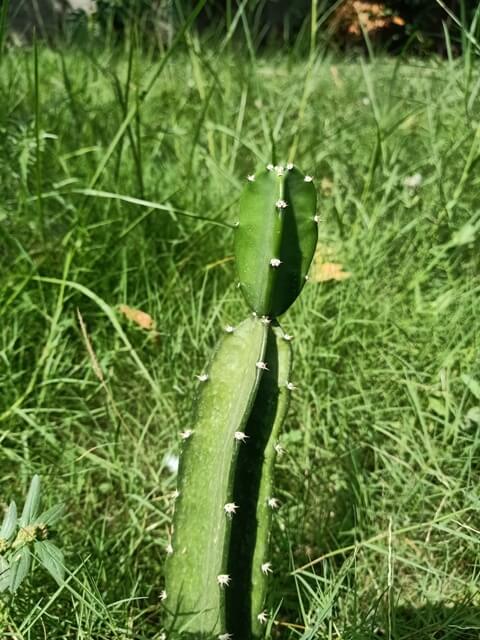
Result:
x=249 y=545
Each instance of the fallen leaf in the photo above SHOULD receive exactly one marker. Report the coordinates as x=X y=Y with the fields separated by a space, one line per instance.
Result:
x=323 y=272
x=140 y=318
x=324 y=253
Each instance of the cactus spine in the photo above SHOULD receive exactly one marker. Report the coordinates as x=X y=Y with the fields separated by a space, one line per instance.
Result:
x=218 y=562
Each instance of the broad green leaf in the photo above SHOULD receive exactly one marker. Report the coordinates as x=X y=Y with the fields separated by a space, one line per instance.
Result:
x=51 y=558
x=52 y=515
x=9 y=522
x=472 y=385
x=19 y=568
x=4 y=574
x=32 y=502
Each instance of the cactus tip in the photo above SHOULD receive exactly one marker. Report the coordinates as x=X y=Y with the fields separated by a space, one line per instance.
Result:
x=266 y=568
x=262 y=617
x=281 y=204
x=275 y=262
x=223 y=579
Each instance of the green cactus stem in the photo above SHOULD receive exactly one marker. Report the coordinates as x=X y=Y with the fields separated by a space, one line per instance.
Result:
x=249 y=545
x=276 y=238
x=218 y=564
x=197 y=567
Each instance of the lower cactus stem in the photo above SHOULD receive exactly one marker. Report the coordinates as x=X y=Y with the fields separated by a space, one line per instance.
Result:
x=249 y=563
x=197 y=575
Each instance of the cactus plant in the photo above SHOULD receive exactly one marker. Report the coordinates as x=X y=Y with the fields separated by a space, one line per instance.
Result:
x=218 y=561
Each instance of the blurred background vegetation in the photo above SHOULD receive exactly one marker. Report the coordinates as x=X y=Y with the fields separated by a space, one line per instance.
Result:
x=418 y=26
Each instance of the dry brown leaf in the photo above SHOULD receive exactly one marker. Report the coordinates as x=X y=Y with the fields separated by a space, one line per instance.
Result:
x=323 y=253
x=323 y=272
x=142 y=319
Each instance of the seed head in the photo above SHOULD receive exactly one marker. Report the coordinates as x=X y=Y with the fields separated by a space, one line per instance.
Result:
x=223 y=579
x=185 y=435
x=262 y=365
x=287 y=337
x=273 y=503
x=316 y=219
x=240 y=436
x=289 y=166
x=262 y=617
x=225 y=636
x=290 y=386
x=229 y=329
x=280 y=170
x=176 y=494
x=270 y=167
x=308 y=179
x=251 y=178
x=169 y=549
x=281 y=204
x=266 y=568
x=275 y=262
x=163 y=595
x=202 y=377
x=230 y=508
x=265 y=320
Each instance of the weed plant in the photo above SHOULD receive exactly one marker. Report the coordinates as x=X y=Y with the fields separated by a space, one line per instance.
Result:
x=119 y=179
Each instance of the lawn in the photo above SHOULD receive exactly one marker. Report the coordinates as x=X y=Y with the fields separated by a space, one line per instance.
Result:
x=119 y=183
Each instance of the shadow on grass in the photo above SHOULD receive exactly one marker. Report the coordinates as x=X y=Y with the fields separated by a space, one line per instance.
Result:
x=439 y=621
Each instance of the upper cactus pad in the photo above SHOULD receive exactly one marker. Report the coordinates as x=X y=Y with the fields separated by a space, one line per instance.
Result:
x=275 y=239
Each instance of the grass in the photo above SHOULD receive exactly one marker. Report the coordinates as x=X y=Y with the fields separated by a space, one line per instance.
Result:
x=378 y=532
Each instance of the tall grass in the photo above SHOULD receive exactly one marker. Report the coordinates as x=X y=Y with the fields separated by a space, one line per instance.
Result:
x=103 y=153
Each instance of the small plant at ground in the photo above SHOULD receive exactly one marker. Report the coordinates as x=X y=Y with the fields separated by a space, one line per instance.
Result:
x=28 y=537
x=218 y=564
